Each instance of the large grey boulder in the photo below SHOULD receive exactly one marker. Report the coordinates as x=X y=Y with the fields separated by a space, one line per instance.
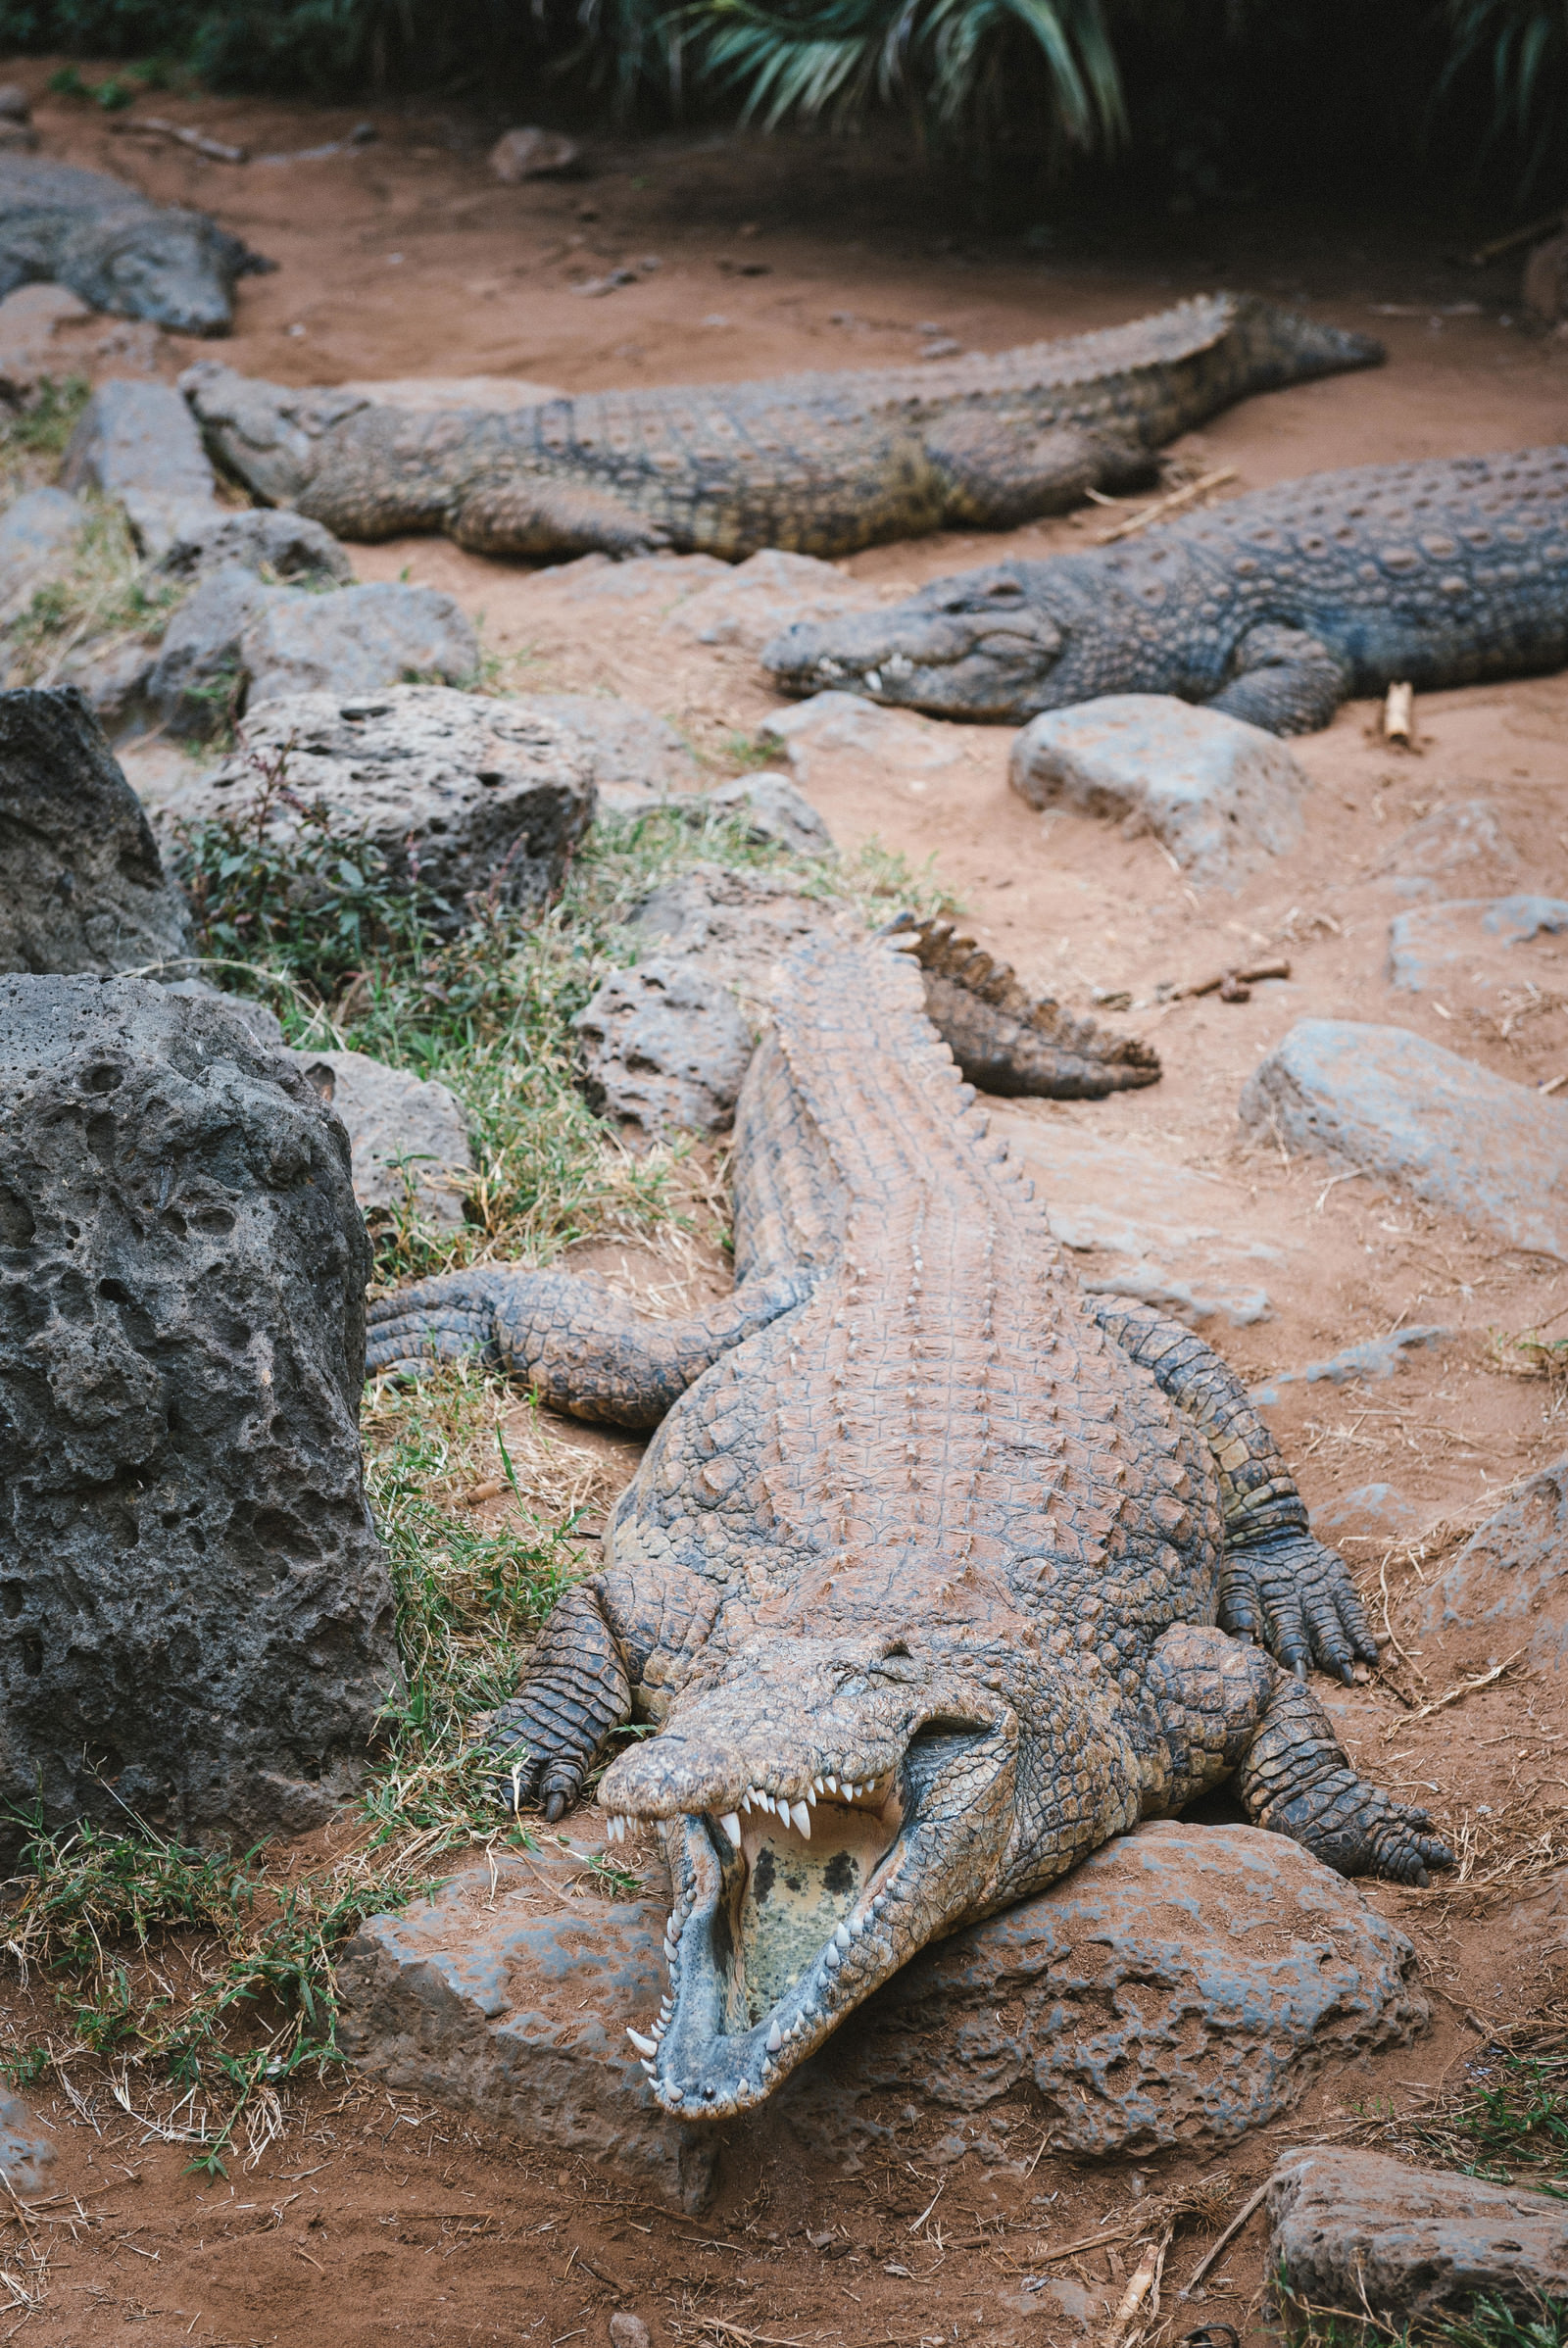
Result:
x=663 y=1049
x=1468 y=942
x=408 y=1138
x=1508 y=1587
x=462 y=794
x=81 y=883
x=238 y=642
x=1355 y=2232
x=1182 y=1985
x=198 y=1616
x=1223 y=796
x=137 y=442
x=1379 y=1098
x=37 y=533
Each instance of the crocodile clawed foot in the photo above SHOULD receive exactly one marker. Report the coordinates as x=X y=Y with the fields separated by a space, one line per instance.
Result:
x=1295 y=1596
x=435 y=1320
x=1358 y=1829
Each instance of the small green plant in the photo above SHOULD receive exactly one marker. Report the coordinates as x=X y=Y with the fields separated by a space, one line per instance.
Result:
x=1488 y=2323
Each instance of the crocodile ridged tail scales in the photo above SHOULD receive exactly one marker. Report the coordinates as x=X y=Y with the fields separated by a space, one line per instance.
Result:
x=1007 y=1041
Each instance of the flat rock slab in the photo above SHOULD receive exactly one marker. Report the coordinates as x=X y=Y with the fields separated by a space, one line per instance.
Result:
x=480 y=792
x=1509 y=1583
x=1484 y=1148
x=756 y=600
x=138 y=443
x=839 y=725
x=37 y=533
x=1469 y=943
x=1223 y=796
x=1139 y=1224
x=1181 y=1986
x=740 y=927
x=83 y=886
x=408 y=1138
x=664 y=1049
x=1353 y=2229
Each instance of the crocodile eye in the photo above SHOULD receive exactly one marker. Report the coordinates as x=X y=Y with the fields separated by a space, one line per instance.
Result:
x=1008 y=588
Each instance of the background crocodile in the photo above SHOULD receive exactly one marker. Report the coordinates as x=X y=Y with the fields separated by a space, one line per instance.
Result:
x=817 y=463
x=115 y=249
x=922 y=1574
x=1274 y=608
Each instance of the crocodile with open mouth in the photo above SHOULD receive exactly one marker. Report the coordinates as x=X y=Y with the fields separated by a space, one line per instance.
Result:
x=936 y=1574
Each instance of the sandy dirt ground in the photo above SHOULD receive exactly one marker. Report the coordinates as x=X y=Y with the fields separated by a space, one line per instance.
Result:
x=373 y=2219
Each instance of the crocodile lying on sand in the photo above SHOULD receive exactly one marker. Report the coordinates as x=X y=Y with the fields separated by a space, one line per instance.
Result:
x=817 y=464
x=115 y=249
x=1274 y=608
x=936 y=1573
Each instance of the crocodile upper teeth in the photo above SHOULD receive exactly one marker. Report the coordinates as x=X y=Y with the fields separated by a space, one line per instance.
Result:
x=732 y=1828
x=644 y=2046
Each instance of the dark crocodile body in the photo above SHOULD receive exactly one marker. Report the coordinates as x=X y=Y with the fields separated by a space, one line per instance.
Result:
x=820 y=463
x=936 y=1572
x=116 y=250
x=1274 y=608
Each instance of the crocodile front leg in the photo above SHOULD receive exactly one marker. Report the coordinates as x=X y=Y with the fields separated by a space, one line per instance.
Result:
x=1280 y=1583
x=569 y=1340
x=577 y=1688
x=1286 y=681
x=1224 y=1708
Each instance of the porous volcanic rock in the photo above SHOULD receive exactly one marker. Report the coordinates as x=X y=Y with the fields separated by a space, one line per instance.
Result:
x=269 y=542
x=1508 y=1586
x=1223 y=796
x=1351 y=2229
x=663 y=1049
x=463 y=794
x=1181 y=1986
x=740 y=927
x=139 y=442
x=1379 y=1098
x=195 y=1612
x=395 y=1121
x=81 y=883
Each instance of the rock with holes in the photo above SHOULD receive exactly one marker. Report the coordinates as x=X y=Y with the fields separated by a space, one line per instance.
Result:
x=1390 y=1103
x=408 y=1139
x=1223 y=796
x=1182 y=1985
x=83 y=886
x=1351 y=2230
x=663 y=1049
x=464 y=795
x=196 y=1620
x=739 y=926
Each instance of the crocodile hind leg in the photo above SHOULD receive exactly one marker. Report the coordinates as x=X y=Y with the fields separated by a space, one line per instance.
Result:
x=1279 y=1584
x=1224 y=1708
x=578 y=1347
x=1007 y=1041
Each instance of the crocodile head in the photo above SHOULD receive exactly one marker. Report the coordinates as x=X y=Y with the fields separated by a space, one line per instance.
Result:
x=984 y=644
x=827 y=1806
x=175 y=268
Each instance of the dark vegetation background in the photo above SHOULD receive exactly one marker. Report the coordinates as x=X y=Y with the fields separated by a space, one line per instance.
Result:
x=1197 y=103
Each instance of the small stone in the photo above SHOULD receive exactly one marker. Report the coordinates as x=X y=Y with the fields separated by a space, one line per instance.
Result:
x=841 y=725
x=1223 y=796
x=627 y=2331
x=770 y=591
x=201 y=1630
x=1466 y=943
x=463 y=794
x=288 y=546
x=665 y=1048
x=1356 y=2229
x=1509 y=1583
x=1477 y=1145
x=139 y=442
x=533 y=154
x=14 y=104
x=394 y=1122
x=27 y=2146
x=31 y=319
x=38 y=532
x=1374 y=1357
x=83 y=886
x=774 y=809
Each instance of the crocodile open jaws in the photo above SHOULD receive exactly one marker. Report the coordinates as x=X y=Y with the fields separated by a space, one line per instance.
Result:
x=936 y=1572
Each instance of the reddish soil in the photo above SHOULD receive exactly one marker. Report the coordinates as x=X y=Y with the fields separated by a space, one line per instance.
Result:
x=370 y=2218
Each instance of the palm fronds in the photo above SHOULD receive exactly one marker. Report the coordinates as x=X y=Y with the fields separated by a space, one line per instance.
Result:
x=1521 y=46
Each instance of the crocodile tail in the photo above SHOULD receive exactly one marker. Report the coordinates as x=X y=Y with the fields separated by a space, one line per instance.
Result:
x=1007 y=1040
